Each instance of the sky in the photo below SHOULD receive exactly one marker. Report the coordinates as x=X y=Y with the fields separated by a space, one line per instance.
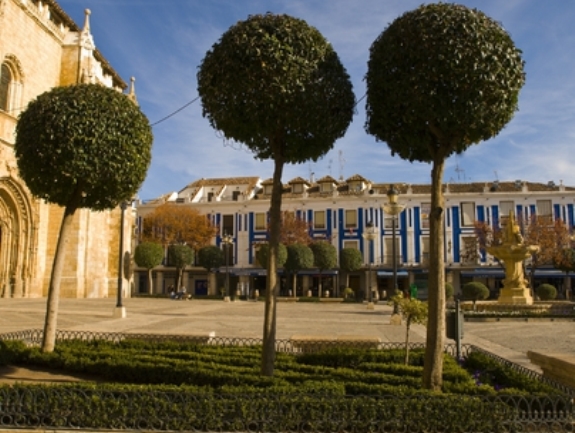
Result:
x=162 y=42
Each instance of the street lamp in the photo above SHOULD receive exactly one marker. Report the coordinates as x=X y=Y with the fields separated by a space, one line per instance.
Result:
x=393 y=208
x=120 y=310
x=369 y=235
x=227 y=240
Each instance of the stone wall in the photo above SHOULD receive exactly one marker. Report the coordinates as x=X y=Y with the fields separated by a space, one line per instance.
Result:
x=46 y=50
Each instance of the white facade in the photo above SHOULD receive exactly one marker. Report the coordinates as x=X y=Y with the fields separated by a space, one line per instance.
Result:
x=339 y=211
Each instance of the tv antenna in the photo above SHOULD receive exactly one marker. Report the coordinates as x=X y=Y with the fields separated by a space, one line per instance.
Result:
x=458 y=171
x=341 y=164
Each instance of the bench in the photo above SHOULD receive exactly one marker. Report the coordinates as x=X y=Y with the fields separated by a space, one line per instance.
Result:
x=316 y=343
x=559 y=367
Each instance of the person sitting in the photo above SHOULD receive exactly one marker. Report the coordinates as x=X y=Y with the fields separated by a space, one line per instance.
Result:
x=181 y=293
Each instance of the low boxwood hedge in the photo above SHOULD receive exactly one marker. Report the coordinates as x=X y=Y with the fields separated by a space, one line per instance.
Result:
x=358 y=371
x=187 y=386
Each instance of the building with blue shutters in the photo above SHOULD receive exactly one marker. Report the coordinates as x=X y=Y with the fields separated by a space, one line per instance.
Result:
x=342 y=211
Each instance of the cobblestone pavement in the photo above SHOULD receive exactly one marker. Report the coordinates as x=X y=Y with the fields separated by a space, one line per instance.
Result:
x=510 y=340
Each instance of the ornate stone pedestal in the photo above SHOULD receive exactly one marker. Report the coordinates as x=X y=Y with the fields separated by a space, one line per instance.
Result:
x=512 y=252
x=518 y=296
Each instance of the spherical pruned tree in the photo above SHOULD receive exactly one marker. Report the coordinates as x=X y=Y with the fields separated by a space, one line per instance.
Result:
x=299 y=256
x=475 y=291
x=275 y=84
x=350 y=260
x=324 y=258
x=80 y=146
x=546 y=292
x=440 y=78
x=263 y=254
x=211 y=258
x=180 y=256
x=149 y=255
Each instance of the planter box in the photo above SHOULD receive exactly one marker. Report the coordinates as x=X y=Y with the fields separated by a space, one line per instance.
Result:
x=557 y=366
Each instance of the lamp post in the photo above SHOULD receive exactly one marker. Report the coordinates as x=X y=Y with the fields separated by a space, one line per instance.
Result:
x=120 y=310
x=227 y=240
x=393 y=208
x=369 y=235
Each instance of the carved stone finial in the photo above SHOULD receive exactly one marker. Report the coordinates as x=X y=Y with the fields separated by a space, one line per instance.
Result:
x=132 y=92
x=86 y=28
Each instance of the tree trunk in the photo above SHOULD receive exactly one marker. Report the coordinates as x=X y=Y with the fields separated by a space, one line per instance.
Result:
x=51 y=320
x=177 y=287
x=319 y=286
x=294 y=284
x=434 y=346
x=407 y=326
x=150 y=282
x=268 y=352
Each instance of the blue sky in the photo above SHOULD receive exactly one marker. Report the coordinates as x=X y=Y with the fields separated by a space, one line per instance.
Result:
x=162 y=42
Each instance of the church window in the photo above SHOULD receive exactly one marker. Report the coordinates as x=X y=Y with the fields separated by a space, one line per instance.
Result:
x=5 y=82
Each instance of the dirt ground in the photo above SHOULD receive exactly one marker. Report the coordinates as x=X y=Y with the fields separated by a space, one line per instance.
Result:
x=12 y=374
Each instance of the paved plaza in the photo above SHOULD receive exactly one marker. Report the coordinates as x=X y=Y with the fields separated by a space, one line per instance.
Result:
x=508 y=339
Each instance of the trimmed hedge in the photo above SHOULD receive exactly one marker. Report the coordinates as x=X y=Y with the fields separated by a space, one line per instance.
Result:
x=194 y=387
x=353 y=371
x=191 y=409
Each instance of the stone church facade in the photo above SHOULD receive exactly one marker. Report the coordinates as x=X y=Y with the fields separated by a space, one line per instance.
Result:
x=41 y=47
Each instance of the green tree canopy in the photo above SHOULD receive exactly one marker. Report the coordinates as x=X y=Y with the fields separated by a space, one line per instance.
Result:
x=81 y=146
x=85 y=146
x=263 y=255
x=475 y=291
x=350 y=260
x=149 y=255
x=324 y=258
x=324 y=255
x=180 y=256
x=440 y=78
x=211 y=257
x=299 y=256
x=275 y=84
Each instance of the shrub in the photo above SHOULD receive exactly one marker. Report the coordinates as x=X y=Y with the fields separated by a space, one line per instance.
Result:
x=475 y=291
x=546 y=292
x=348 y=293
x=448 y=290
